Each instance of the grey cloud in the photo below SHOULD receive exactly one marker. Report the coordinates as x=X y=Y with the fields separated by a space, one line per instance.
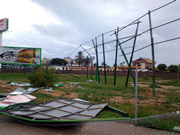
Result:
x=83 y=20
x=65 y=32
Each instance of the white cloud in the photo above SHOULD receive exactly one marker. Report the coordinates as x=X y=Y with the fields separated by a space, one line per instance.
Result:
x=59 y=26
x=23 y=13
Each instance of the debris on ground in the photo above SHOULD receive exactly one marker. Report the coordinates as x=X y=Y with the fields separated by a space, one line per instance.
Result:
x=9 y=100
x=30 y=90
x=17 y=84
x=69 y=110
x=117 y=102
x=73 y=83
x=81 y=100
x=50 y=89
x=59 y=84
x=2 y=97
x=176 y=128
x=79 y=86
x=90 y=80
x=17 y=91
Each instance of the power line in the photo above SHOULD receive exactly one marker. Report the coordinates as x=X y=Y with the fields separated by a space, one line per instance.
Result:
x=163 y=6
x=147 y=14
x=130 y=37
x=140 y=48
x=132 y=23
x=152 y=28
x=151 y=44
x=112 y=50
x=133 y=36
x=74 y=50
x=108 y=42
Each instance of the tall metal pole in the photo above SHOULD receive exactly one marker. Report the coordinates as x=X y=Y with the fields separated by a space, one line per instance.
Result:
x=104 y=59
x=129 y=67
x=91 y=67
x=115 y=65
x=136 y=97
x=97 y=61
x=90 y=58
x=11 y=69
x=87 y=72
x=124 y=56
x=96 y=58
x=152 y=48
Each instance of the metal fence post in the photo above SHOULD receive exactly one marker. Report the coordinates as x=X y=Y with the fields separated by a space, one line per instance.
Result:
x=104 y=59
x=152 y=47
x=136 y=96
x=177 y=75
x=115 y=64
x=129 y=65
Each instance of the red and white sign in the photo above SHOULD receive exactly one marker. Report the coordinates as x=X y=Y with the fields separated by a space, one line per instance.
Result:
x=3 y=24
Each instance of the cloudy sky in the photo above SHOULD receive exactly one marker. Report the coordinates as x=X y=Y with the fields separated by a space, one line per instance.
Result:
x=60 y=26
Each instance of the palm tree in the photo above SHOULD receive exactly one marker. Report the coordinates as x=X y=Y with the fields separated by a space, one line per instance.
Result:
x=87 y=61
x=79 y=58
x=102 y=64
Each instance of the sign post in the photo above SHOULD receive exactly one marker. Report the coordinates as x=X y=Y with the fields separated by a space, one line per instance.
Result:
x=3 y=27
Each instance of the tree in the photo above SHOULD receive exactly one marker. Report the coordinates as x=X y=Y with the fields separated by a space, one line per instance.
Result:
x=58 y=61
x=86 y=61
x=103 y=64
x=71 y=63
x=79 y=58
x=114 y=65
x=162 y=67
x=108 y=66
x=122 y=63
x=173 y=68
x=179 y=67
x=43 y=76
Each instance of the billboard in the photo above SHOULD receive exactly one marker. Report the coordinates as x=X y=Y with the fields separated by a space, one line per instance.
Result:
x=3 y=24
x=20 y=55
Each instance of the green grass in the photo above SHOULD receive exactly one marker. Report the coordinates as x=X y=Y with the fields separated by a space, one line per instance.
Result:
x=101 y=93
x=171 y=82
x=161 y=123
x=156 y=86
x=15 y=77
x=108 y=114
x=41 y=97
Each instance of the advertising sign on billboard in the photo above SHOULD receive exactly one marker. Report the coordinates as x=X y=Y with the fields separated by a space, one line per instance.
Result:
x=20 y=55
x=3 y=24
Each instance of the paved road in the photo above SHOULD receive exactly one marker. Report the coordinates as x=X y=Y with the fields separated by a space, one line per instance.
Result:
x=11 y=126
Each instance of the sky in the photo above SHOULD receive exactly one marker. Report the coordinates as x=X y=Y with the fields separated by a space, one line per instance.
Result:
x=60 y=26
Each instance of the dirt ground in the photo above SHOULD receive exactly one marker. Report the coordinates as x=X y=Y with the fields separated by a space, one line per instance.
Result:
x=147 y=100
x=8 y=89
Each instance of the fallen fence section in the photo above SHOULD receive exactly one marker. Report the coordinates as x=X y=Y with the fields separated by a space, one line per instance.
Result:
x=62 y=111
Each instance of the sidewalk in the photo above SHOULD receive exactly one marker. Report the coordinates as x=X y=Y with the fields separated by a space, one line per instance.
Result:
x=11 y=126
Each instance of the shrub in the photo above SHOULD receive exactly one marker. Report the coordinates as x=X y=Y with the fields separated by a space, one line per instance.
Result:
x=43 y=76
x=162 y=67
x=173 y=68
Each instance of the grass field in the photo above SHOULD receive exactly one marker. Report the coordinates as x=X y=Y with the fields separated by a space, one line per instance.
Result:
x=166 y=99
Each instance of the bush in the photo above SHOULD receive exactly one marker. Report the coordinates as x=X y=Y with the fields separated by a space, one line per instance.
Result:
x=162 y=67
x=43 y=76
x=173 y=68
